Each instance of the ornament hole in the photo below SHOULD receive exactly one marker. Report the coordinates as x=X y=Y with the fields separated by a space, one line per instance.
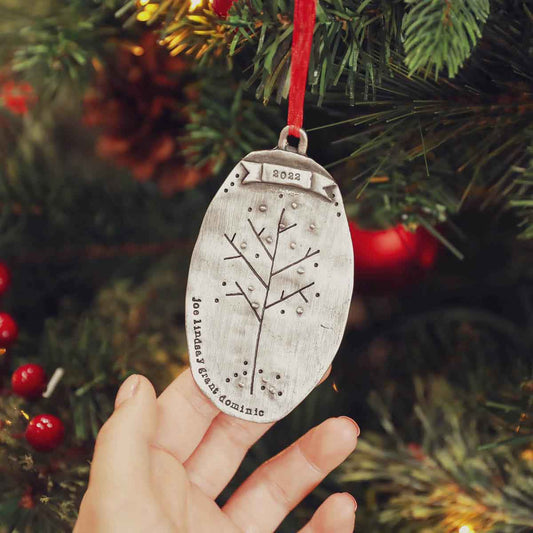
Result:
x=235 y=375
x=245 y=373
x=224 y=284
x=282 y=311
x=232 y=184
x=316 y=264
x=228 y=380
x=338 y=214
x=257 y=256
x=280 y=393
x=281 y=195
x=245 y=362
x=249 y=210
x=225 y=190
x=278 y=377
x=260 y=370
x=336 y=204
x=317 y=295
x=217 y=300
x=263 y=387
x=237 y=175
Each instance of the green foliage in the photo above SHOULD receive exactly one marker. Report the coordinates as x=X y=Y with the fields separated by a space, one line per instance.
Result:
x=225 y=124
x=444 y=482
x=439 y=34
x=56 y=42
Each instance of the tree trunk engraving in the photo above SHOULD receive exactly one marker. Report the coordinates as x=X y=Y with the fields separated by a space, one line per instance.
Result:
x=260 y=310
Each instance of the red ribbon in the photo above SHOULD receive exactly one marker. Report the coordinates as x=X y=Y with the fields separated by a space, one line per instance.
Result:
x=302 y=39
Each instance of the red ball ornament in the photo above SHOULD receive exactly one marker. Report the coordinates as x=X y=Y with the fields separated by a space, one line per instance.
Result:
x=5 y=278
x=45 y=432
x=221 y=7
x=393 y=258
x=29 y=381
x=8 y=330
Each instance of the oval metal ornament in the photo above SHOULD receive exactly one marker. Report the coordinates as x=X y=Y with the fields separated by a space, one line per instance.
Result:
x=270 y=284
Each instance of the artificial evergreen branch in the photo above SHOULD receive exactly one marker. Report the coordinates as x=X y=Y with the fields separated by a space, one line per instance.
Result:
x=443 y=482
x=440 y=34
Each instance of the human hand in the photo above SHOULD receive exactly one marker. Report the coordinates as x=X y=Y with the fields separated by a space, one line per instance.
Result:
x=159 y=465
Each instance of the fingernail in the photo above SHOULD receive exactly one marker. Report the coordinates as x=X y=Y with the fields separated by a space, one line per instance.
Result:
x=127 y=390
x=357 y=428
x=354 y=501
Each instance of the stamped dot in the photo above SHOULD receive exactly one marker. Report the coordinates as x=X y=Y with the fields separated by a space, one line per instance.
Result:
x=301 y=270
x=264 y=380
x=232 y=184
x=245 y=373
x=235 y=375
x=263 y=387
x=241 y=384
x=278 y=377
x=272 y=390
x=315 y=265
x=312 y=227
x=245 y=362
x=224 y=284
x=257 y=256
x=243 y=245
x=282 y=311
x=269 y=239
x=262 y=208
x=336 y=204
x=249 y=210
x=293 y=245
x=228 y=380
x=281 y=195
x=280 y=393
x=281 y=225
x=217 y=300
x=237 y=175
x=317 y=295
x=338 y=214
x=225 y=190
x=255 y=305
x=260 y=370
x=250 y=288
x=299 y=310
x=294 y=205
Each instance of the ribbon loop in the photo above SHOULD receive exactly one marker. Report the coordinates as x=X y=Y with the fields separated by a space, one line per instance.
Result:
x=302 y=39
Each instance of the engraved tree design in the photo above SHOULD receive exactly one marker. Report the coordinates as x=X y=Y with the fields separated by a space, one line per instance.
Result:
x=260 y=311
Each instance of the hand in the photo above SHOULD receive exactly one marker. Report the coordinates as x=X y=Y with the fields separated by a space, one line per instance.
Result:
x=160 y=463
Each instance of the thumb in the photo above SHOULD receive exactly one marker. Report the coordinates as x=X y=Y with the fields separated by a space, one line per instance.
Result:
x=121 y=461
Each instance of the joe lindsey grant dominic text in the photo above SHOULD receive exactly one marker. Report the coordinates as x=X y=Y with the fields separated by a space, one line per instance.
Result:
x=202 y=370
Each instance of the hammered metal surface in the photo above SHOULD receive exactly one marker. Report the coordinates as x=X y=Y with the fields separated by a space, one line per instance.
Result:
x=269 y=286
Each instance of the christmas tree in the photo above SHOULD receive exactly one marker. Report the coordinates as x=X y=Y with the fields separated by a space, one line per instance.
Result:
x=119 y=121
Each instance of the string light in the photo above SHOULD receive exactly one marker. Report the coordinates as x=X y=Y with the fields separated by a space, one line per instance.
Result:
x=195 y=4
x=466 y=529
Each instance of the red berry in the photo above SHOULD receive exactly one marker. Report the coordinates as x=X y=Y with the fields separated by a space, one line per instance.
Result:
x=29 y=381
x=8 y=330
x=5 y=278
x=221 y=7
x=45 y=432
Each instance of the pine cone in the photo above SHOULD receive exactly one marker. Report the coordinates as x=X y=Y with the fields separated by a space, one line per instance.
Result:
x=138 y=103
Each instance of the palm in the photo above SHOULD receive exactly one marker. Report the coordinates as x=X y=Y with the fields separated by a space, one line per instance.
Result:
x=192 y=451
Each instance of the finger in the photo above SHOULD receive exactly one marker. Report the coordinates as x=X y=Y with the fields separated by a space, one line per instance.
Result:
x=276 y=487
x=185 y=414
x=121 y=455
x=120 y=470
x=217 y=458
x=336 y=514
